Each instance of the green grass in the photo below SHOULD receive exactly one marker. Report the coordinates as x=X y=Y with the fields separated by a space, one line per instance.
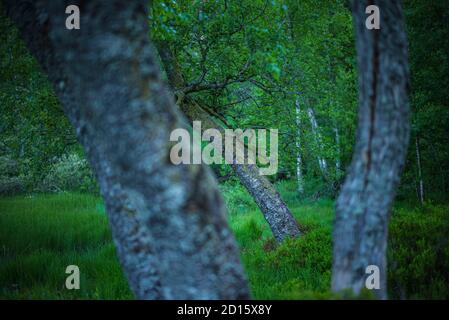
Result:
x=41 y=235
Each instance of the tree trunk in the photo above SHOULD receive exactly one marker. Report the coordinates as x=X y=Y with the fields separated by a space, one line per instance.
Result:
x=281 y=221
x=338 y=156
x=276 y=213
x=168 y=221
x=418 y=164
x=363 y=206
x=318 y=140
x=299 y=176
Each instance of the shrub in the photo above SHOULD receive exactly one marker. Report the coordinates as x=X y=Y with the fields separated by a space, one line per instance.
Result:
x=418 y=253
x=70 y=173
x=289 y=190
x=8 y=167
x=10 y=183
x=11 y=186
x=237 y=198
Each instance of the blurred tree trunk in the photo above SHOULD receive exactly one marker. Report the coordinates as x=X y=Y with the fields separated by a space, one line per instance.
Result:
x=281 y=221
x=168 y=221
x=363 y=206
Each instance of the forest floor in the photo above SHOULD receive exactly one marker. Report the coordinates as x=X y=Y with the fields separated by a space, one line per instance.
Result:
x=41 y=235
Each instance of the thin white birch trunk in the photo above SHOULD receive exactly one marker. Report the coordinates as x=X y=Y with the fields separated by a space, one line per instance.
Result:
x=418 y=163
x=337 y=159
x=317 y=136
x=299 y=176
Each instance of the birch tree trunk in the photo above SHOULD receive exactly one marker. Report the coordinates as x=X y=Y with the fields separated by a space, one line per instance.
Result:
x=363 y=206
x=418 y=163
x=338 y=156
x=168 y=221
x=299 y=176
x=322 y=163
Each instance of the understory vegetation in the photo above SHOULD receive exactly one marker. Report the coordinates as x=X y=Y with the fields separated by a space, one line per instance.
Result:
x=42 y=234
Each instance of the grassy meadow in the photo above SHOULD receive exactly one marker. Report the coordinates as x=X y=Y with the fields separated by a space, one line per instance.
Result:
x=42 y=234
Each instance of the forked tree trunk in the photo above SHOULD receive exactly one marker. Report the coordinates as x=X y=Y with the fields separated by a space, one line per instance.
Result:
x=168 y=221
x=281 y=221
x=363 y=206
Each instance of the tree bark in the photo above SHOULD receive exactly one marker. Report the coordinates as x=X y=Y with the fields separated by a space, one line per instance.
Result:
x=299 y=177
x=322 y=163
x=168 y=221
x=338 y=156
x=281 y=221
x=363 y=206
x=276 y=213
x=418 y=164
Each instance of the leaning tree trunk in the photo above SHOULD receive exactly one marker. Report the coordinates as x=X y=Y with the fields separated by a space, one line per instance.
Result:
x=363 y=207
x=281 y=221
x=279 y=218
x=168 y=221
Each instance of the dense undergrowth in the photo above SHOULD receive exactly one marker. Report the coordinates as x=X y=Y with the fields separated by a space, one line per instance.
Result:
x=42 y=234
